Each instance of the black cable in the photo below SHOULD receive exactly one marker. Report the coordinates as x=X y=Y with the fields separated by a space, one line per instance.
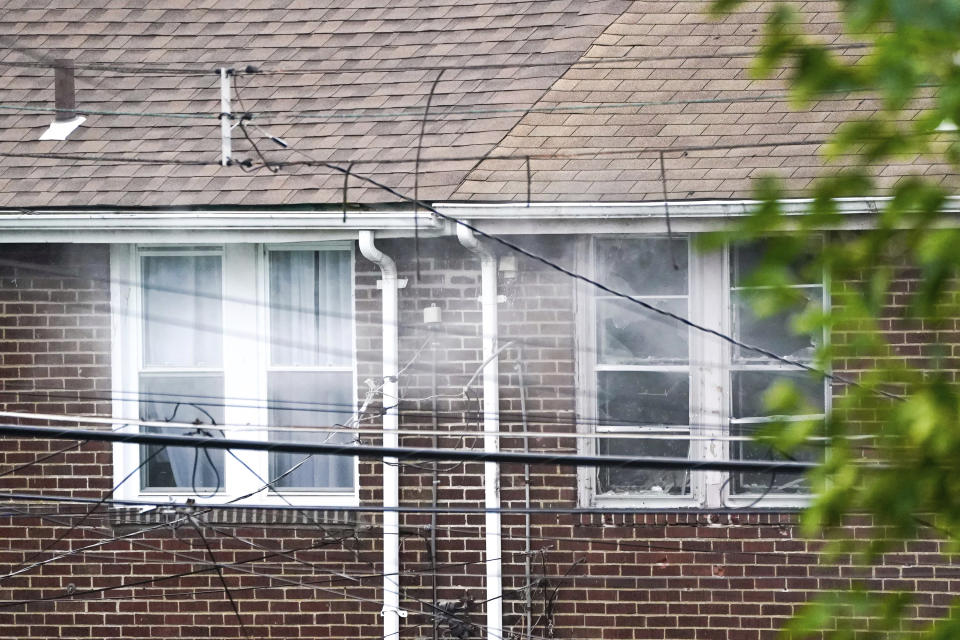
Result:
x=684 y=546
x=506 y=417
x=576 y=61
x=44 y=458
x=378 y=452
x=666 y=212
x=335 y=577
x=113 y=502
x=266 y=163
x=196 y=452
x=613 y=292
x=416 y=173
x=73 y=527
x=159 y=504
x=212 y=465
x=223 y=581
x=617 y=151
x=5 y=605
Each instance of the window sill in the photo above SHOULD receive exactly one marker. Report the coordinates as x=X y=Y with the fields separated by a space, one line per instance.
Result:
x=132 y=518
x=688 y=503
x=637 y=501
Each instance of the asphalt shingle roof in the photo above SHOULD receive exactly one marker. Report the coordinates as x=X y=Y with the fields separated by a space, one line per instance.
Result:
x=694 y=81
x=343 y=62
x=347 y=80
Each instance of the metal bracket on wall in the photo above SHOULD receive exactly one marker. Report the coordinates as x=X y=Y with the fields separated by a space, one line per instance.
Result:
x=401 y=283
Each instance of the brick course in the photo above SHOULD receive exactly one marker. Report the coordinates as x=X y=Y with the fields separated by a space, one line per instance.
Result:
x=650 y=575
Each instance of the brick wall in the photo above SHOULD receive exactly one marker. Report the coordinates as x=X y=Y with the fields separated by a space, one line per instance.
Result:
x=730 y=576
x=55 y=358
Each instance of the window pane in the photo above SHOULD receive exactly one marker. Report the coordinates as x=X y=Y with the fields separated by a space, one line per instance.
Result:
x=643 y=397
x=745 y=259
x=629 y=334
x=181 y=398
x=652 y=481
x=311 y=399
x=643 y=266
x=182 y=323
x=773 y=333
x=310 y=308
x=749 y=388
x=761 y=482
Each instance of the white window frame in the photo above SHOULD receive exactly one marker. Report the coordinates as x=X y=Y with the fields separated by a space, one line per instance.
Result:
x=245 y=365
x=710 y=306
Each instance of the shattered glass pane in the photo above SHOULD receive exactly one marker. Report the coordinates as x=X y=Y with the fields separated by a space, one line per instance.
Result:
x=643 y=266
x=643 y=397
x=749 y=388
x=667 y=482
x=745 y=259
x=759 y=482
x=629 y=334
x=773 y=333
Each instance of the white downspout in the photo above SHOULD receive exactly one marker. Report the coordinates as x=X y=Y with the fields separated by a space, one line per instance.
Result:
x=391 y=371
x=491 y=428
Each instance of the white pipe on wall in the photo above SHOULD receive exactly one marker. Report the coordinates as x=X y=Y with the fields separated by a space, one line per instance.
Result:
x=491 y=429
x=391 y=493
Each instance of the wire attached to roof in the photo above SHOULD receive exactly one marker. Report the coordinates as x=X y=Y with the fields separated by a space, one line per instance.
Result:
x=416 y=174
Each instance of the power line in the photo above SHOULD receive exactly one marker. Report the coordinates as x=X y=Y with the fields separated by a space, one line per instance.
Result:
x=577 y=61
x=96 y=112
x=452 y=112
x=74 y=526
x=220 y=401
x=333 y=576
x=223 y=581
x=109 y=158
x=378 y=452
x=241 y=506
x=652 y=435
x=681 y=546
x=439 y=330
x=206 y=569
x=582 y=61
x=505 y=417
x=598 y=154
x=237 y=566
x=594 y=283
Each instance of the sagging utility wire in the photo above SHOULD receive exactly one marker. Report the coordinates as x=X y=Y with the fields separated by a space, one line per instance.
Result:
x=378 y=452
x=605 y=288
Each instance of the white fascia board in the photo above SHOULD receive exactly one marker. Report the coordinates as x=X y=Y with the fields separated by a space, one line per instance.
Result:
x=650 y=217
x=205 y=226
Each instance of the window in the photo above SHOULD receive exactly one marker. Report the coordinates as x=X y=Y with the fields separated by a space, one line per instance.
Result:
x=651 y=386
x=231 y=339
x=752 y=373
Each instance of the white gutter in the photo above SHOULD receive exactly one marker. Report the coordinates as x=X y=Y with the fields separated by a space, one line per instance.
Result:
x=491 y=429
x=638 y=217
x=203 y=226
x=391 y=492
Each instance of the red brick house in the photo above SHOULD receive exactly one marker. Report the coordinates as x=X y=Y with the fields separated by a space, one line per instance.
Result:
x=194 y=254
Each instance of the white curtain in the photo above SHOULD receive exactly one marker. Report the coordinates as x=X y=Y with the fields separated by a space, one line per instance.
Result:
x=182 y=329
x=199 y=398
x=310 y=326
x=182 y=311
x=310 y=308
